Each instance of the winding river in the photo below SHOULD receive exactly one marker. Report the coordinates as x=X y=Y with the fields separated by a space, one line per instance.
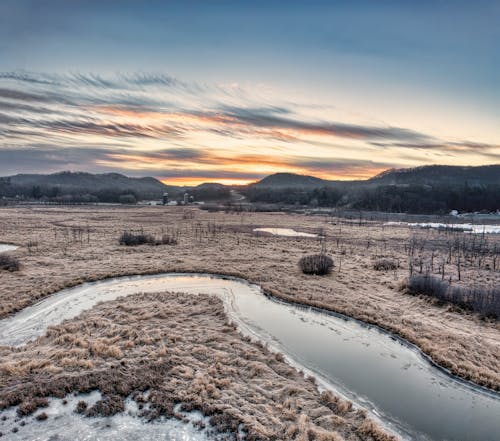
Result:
x=373 y=369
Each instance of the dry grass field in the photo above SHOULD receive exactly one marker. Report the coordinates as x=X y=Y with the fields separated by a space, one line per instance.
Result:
x=64 y=246
x=170 y=348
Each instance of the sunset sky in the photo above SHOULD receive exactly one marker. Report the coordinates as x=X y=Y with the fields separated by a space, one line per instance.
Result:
x=232 y=91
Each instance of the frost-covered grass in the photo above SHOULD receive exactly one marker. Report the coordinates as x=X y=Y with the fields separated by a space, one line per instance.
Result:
x=224 y=243
x=63 y=419
x=173 y=353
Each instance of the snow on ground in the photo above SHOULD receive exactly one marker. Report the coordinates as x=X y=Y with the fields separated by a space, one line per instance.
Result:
x=64 y=424
x=466 y=228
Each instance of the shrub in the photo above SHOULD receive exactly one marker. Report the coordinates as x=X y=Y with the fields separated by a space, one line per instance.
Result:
x=131 y=239
x=318 y=264
x=480 y=299
x=9 y=263
x=427 y=285
x=385 y=265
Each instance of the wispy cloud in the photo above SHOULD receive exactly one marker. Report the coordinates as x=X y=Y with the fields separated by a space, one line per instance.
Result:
x=147 y=123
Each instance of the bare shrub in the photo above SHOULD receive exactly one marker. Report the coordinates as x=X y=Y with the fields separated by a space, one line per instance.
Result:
x=480 y=299
x=385 y=265
x=9 y=263
x=484 y=300
x=318 y=264
x=131 y=239
x=427 y=285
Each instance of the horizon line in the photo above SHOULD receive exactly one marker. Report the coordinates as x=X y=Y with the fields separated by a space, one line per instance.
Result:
x=192 y=181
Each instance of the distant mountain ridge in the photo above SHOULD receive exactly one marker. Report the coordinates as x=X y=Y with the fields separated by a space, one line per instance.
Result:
x=106 y=187
x=431 y=174
x=81 y=187
x=291 y=180
x=424 y=189
x=443 y=174
x=472 y=175
x=77 y=180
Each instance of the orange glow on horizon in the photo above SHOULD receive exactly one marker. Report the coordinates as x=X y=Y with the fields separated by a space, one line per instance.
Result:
x=191 y=181
x=348 y=175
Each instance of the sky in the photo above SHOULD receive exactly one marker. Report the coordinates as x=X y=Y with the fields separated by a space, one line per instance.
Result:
x=232 y=91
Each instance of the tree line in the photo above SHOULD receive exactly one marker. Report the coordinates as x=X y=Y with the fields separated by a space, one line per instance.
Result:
x=414 y=198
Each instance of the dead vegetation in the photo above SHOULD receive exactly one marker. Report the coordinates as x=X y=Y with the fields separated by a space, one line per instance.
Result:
x=77 y=244
x=178 y=349
x=29 y=406
x=316 y=264
x=130 y=238
x=386 y=265
x=480 y=299
x=9 y=263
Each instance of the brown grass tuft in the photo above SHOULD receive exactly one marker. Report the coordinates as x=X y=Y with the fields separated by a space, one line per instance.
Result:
x=316 y=264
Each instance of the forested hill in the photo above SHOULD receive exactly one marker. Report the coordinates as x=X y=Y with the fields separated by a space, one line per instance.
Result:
x=442 y=174
x=431 y=174
x=81 y=187
x=289 y=180
x=430 y=189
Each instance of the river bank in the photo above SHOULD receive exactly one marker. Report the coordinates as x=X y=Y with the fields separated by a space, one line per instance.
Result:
x=76 y=244
x=166 y=349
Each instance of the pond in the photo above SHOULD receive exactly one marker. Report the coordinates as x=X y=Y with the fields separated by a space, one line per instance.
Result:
x=6 y=247
x=287 y=232
x=465 y=228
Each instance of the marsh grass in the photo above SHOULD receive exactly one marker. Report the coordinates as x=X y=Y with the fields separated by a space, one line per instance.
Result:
x=356 y=290
x=316 y=264
x=238 y=384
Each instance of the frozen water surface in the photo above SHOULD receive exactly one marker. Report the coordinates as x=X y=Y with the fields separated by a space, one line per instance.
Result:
x=368 y=366
x=5 y=247
x=288 y=232
x=64 y=424
x=467 y=228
